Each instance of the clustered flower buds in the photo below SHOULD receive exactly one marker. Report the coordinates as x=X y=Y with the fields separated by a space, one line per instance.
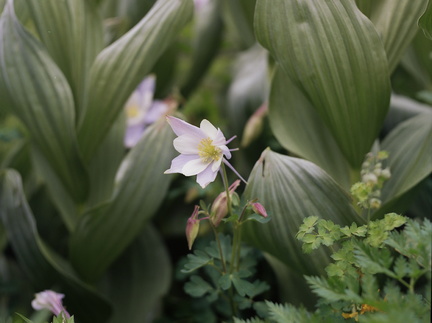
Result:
x=373 y=175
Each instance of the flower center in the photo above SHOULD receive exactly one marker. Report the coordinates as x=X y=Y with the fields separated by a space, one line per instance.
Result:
x=132 y=111
x=207 y=151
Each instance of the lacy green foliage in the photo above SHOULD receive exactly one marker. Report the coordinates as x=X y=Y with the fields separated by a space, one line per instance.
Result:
x=218 y=278
x=353 y=287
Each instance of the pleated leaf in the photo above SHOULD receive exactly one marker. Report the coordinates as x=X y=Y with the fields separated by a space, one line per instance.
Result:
x=410 y=155
x=333 y=53
x=139 y=278
x=396 y=22
x=300 y=130
x=206 y=43
x=43 y=266
x=119 y=68
x=238 y=15
x=41 y=98
x=425 y=21
x=103 y=233
x=71 y=31
x=291 y=189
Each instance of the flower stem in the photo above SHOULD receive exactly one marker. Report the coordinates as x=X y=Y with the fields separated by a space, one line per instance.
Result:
x=219 y=247
x=226 y=186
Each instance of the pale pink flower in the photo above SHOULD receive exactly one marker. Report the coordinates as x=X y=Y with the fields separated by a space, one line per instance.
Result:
x=50 y=300
x=202 y=150
x=142 y=110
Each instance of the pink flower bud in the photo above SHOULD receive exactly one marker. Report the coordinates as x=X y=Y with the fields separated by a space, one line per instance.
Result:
x=219 y=209
x=51 y=301
x=192 y=227
x=259 y=209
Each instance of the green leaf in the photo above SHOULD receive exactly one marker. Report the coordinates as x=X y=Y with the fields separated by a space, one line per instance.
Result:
x=299 y=129
x=331 y=290
x=242 y=286
x=195 y=261
x=71 y=31
x=410 y=155
x=139 y=278
x=43 y=102
x=425 y=21
x=238 y=16
x=119 y=68
x=139 y=190
x=396 y=22
x=197 y=287
x=334 y=55
x=206 y=42
x=43 y=266
x=225 y=281
x=292 y=189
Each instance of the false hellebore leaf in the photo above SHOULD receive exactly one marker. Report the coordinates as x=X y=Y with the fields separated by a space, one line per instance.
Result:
x=142 y=111
x=202 y=150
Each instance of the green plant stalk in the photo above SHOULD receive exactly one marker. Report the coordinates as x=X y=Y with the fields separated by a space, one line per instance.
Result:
x=219 y=247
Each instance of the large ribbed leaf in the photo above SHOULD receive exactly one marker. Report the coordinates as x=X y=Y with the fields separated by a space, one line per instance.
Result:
x=139 y=278
x=119 y=68
x=291 y=189
x=71 y=31
x=43 y=266
x=425 y=21
x=410 y=155
x=42 y=99
x=333 y=53
x=105 y=232
x=300 y=130
x=104 y=164
x=206 y=43
x=396 y=22
x=238 y=15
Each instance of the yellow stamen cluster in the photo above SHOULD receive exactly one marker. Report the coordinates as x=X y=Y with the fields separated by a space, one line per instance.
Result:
x=208 y=152
x=132 y=111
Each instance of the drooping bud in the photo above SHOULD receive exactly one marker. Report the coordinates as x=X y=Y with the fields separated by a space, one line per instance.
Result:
x=51 y=301
x=254 y=125
x=192 y=227
x=258 y=208
x=219 y=209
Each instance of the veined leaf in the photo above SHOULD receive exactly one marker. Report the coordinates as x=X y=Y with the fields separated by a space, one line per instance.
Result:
x=396 y=22
x=103 y=233
x=42 y=99
x=206 y=43
x=425 y=21
x=238 y=15
x=43 y=266
x=334 y=55
x=119 y=68
x=300 y=130
x=71 y=31
x=291 y=189
x=140 y=277
x=410 y=155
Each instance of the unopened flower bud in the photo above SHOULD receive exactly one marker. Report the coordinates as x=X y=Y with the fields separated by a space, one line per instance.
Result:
x=369 y=178
x=51 y=301
x=254 y=126
x=192 y=227
x=385 y=173
x=219 y=209
x=374 y=203
x=258 y=208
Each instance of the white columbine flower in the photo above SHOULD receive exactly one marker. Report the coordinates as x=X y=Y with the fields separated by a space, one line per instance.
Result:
x=51 y=301
x=202 y=150
x=142 y=111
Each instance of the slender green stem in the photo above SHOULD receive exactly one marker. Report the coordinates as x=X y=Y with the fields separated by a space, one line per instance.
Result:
x=219 y=247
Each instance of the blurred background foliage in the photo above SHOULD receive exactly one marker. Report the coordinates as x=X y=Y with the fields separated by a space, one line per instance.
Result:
x=82 y=214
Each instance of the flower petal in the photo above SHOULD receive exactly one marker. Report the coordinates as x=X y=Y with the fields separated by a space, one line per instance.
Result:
x=216 y=165
x=226 y=162
x=179 y=162
x=133 y=135
x=187 y=144
x=181 y=127
x=194 y=167
x=206 y=177
x=209 y=129
x=226 y=151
